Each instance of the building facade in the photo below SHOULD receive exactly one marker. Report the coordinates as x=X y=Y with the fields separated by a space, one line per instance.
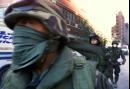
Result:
x=119 y=29
x=125 y=33
x=70 y=11
x=75 y=20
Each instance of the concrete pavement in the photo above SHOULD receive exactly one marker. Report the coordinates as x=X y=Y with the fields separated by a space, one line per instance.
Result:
x=124 y=75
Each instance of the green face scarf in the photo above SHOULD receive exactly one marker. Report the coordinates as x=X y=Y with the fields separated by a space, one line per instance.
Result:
x=29 y=46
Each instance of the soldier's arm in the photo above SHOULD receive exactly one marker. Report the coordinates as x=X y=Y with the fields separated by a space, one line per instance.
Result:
x=123 y=57
x=84 y=48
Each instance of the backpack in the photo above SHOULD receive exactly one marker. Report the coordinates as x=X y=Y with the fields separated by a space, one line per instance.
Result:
x=84 y=74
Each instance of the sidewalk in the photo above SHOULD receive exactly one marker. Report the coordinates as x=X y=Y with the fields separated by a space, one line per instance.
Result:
x=124 y=76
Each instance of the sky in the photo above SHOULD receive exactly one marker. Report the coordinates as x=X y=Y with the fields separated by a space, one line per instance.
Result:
x=101 y=14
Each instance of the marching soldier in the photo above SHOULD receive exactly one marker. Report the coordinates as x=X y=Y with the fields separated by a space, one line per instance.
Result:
x=112 y=64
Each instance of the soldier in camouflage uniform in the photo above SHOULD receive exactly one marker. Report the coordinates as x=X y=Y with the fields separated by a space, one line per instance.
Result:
x=114 y=53
x=95 y=40
x=102 y=82
x=42 y=57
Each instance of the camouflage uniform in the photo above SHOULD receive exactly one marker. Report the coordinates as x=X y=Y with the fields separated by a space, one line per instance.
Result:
x=31 y=46
x=103 y=65
x=65 y=71
x=114 y=53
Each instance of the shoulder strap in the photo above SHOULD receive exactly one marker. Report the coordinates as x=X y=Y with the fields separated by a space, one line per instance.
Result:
x=3 y=70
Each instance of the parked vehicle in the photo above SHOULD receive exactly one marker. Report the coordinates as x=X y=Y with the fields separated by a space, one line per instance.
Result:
x=125 y=49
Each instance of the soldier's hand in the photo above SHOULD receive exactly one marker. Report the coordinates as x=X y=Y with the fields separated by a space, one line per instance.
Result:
x=123 y=62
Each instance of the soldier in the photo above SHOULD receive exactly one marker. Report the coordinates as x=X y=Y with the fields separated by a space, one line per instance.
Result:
x=42 y=57
x=114 y=54
x=96 y=40
x=102 y=82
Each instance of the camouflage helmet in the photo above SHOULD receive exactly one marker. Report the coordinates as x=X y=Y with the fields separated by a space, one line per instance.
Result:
x=43 y=10
x=115 y=42
x=95 y=36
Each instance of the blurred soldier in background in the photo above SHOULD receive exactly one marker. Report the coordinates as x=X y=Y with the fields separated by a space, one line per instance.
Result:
x=96 y=40
x=101 y=79
x=113 y=65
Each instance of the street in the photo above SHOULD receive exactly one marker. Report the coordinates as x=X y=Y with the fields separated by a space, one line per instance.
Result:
x=124 y=76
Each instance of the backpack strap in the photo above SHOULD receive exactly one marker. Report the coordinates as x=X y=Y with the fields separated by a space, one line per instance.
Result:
x=3 y=70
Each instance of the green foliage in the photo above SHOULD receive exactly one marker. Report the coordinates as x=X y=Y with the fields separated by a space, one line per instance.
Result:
x=91 y=30
x=103 y=39
x=88 y=26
